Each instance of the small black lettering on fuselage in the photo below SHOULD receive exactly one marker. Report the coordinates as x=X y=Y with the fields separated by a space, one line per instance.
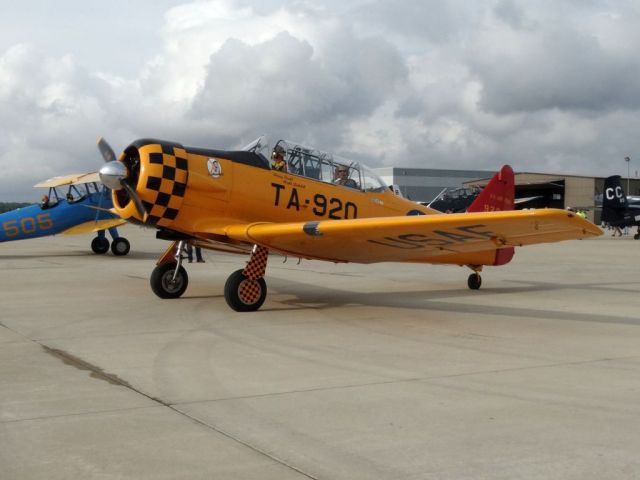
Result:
x=321 y=206
x=439 y=238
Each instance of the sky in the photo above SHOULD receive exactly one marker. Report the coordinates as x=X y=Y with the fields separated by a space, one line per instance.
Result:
x=543 y=85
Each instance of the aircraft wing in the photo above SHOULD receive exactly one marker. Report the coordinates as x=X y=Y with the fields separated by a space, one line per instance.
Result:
x=92 y=177
x=414 y=238
x=73 y=179
x=93 y=226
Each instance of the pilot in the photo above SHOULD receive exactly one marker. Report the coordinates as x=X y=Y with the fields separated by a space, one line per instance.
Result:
x=44 y=201
x=278 y=162
x=341 y=177
x=69 y=197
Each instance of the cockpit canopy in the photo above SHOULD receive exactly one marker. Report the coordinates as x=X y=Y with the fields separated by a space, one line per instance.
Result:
x=316 y=164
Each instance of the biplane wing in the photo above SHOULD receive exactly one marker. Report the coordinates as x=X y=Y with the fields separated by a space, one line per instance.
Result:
x=73 y=179
x=421 y=238
x=94 y=226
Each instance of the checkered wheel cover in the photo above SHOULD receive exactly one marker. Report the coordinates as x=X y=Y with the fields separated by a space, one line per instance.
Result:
x=249 y=291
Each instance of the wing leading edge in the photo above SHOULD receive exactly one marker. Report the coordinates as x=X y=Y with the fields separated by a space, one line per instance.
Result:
x=428 y=238
x=93 y=226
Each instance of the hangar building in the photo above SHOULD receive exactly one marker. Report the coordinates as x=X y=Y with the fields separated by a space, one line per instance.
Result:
x=546 y=190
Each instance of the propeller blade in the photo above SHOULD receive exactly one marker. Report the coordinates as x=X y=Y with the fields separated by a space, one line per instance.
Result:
x=106 y=151
x=136 y=199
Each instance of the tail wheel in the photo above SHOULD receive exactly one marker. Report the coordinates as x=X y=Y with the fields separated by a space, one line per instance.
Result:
x=474 y=281
x=244 y=294
x=100 y=245
x=163 y=283
x=120 y=246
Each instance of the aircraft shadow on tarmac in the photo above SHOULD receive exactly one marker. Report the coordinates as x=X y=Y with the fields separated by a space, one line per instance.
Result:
x=317 y=297
x=77 y=253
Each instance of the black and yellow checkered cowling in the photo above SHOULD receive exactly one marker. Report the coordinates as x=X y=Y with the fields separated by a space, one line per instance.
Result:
x=159 y=171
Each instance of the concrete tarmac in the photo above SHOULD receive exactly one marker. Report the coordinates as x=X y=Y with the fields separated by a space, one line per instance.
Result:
x=386 y=371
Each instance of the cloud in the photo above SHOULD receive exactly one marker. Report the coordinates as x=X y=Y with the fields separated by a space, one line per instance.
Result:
x=546 y=85
x=49 y=107
x=283 y=81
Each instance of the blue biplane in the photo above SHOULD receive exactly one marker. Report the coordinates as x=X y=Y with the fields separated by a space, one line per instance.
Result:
x=83 y=208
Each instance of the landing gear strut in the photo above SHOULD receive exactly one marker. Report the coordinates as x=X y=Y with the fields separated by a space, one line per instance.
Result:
x=169 y=279
x=246 y=290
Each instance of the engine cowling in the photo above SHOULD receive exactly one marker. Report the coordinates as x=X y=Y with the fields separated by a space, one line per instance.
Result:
x=159 y=172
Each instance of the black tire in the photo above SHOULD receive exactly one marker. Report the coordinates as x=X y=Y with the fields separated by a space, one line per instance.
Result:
x=474 y=281
x=162 y=284
x=237 y=299
x=120 y=246
x=100 y=245
x=636 y=236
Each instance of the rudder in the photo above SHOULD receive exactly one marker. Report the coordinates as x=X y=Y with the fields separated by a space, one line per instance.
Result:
x=498 y=195
x=614 y=200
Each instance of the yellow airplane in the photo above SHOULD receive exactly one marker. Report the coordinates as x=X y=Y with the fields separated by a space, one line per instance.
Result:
x=297 y=201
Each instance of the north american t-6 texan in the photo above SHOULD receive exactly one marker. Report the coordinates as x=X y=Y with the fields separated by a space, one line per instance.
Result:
x=292 y=200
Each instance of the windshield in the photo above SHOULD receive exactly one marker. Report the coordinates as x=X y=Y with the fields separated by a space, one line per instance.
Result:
x=297 y=159
x=371 y=182
x=259 y=145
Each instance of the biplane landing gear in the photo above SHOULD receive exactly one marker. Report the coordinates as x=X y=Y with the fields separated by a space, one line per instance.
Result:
x=120 y=246
x=170 y=279
x=100 y=245
x=246 y=290
x=474 y=281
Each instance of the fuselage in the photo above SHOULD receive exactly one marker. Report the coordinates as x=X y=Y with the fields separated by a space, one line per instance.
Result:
x=200 y=192
x=38 y=221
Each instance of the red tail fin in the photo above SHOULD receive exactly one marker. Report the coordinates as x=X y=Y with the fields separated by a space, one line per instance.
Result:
x=498 y=195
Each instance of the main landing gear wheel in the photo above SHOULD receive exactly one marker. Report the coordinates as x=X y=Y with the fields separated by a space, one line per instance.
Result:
x=243 y=294
x=163 y=282
x=636 y=236
x=100 y=245
x=474 y=281
x=120 y=246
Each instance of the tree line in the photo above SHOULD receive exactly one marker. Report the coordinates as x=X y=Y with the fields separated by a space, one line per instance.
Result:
x=8 y=206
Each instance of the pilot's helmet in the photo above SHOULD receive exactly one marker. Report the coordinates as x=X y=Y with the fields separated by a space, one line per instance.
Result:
x=278 y=150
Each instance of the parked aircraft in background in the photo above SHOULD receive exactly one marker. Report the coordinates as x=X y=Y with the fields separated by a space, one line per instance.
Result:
x=454 y=200
x=619 y=210
x=317 y=206
x=457 y=200
x=82 y=208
